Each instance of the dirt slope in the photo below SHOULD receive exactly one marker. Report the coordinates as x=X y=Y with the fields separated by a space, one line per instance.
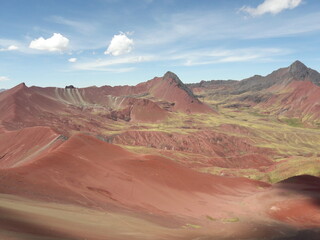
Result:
x=24 y=146
x=87 y=171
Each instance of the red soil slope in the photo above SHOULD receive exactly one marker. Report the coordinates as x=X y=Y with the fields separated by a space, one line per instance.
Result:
x=168 y=88
x=303 y=213
x=90 y=172
x=297 y=99
x=302 y=207
x=146 y=102
x=25 y=107
x=144 y=110
x=24 y=146
x=224 y=150
x=21 y=104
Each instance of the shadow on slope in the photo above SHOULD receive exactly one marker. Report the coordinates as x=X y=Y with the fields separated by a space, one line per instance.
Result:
x=21 y=226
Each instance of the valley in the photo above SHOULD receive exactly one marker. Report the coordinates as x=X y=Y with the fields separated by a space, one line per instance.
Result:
x=163 y=159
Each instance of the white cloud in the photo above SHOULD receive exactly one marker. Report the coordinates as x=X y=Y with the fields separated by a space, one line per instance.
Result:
x=184 y=58
x=54 y=44
x=72 y=60
x=80 y=26
x=10 y=48
x=119 y=45
x=197 y=27
x=103 y=65
x=230 y=55
x=271 y=6
x=4 y=78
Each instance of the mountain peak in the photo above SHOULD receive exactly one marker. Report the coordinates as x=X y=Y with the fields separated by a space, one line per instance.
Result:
x=171 y=75
x=175 y=79
x=22 y=85
x=301 y=72
x=297 y=67
x=19 y=87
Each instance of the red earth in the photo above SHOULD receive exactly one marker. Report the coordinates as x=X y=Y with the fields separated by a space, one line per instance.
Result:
x=85 y=170
x=23 y=146
x=222 y=150
x=298 y=99
x=94 y=174
x=69 y=147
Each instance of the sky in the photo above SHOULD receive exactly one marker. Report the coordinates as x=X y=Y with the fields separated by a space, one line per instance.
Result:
x=124 y=42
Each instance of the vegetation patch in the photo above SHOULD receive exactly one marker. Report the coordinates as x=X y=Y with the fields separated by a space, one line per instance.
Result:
x=189 y=225
x=231 y=220
x=211 y=218
x=293 y=122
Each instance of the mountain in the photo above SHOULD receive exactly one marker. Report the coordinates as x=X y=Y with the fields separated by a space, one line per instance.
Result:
x=163 y=159
x=290 y=92
x=22 y=106
x=151 y=101
x=171 y=89
x=297 y=71
x=2 y=89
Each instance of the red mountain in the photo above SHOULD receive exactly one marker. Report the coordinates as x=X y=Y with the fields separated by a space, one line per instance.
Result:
x=78 y=171
x=290 y=92
x=152 y=161
x=150 y=101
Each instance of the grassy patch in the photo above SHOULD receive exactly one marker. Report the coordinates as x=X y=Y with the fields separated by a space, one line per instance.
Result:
x=248 y=173
x=211 y=218
x=295 y=167
x=189 y=225
x=257 y=114
x=231 y=220
x=293 y=122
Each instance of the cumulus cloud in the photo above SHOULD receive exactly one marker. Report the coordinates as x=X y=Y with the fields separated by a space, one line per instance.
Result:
x=4 y=78
x=10 y=48
x=271 y=6
x=119 y=45
x=55 y=43
x=72 y=60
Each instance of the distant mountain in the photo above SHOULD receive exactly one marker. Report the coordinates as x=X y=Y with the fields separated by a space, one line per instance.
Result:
x=292 y=92
x=2 y=89
x=297 y=71
x=210 y=83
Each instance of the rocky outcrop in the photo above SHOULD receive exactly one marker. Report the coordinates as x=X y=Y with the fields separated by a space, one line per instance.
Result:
x=70 y=87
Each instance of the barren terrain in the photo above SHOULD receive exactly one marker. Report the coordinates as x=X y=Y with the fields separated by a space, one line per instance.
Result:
x=163 y=160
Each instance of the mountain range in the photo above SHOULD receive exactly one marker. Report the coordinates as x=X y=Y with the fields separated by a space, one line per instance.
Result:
x=218 y=159
x=287 y=92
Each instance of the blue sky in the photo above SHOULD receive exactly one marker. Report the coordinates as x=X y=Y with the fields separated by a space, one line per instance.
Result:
x=119 y=42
